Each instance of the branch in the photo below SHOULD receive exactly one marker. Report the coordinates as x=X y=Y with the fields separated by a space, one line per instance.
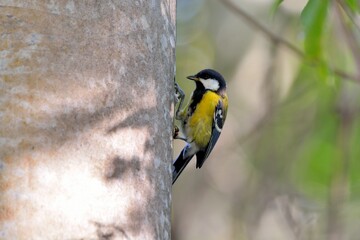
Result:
x=277 y=39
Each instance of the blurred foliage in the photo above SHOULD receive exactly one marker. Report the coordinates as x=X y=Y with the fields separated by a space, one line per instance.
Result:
x=313 y=18
x=290 y=147
x=275 y=6
x=354 y=5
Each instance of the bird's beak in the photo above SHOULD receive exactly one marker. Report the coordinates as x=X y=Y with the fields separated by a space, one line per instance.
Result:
x=194 y=78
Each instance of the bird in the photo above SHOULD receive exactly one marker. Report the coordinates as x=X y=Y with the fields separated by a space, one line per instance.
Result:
x=201 y=120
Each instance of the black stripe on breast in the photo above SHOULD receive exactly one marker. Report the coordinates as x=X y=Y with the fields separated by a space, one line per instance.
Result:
x=196 y=98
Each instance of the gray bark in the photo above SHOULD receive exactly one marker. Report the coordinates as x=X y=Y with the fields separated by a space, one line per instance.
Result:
x=86 y=118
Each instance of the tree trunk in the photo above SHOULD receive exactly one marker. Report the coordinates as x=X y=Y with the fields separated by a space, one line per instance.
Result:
x=86 y=91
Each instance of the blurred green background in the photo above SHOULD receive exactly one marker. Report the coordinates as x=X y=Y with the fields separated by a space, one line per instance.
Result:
x=287 y=165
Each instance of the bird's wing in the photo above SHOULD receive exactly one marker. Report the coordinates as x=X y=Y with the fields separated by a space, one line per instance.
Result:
x=217 y=125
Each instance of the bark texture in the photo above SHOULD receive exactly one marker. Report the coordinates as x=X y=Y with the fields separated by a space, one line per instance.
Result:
x=86 y=93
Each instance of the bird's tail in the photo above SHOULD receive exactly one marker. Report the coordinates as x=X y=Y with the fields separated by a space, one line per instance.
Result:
x=180 y=164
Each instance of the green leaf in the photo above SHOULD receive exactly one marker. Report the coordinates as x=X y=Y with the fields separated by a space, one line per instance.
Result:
x=317 y=164
x=353 y=5
x=354 y=165
x=275 y=6
x=313 y=19
x=323 y=71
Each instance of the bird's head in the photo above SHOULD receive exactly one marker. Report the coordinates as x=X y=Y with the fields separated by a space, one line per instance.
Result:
x=209 y=80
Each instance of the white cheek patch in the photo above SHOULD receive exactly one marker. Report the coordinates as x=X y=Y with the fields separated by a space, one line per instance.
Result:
x=210 y=84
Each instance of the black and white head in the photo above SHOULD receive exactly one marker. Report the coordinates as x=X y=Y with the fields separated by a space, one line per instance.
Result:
x=209 y=79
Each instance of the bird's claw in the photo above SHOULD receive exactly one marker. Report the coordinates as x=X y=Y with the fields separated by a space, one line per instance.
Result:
x=179 y=93
x=176 y=132
x=179 y=99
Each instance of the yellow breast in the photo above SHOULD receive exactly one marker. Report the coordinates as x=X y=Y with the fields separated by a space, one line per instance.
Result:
x=199 y=125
